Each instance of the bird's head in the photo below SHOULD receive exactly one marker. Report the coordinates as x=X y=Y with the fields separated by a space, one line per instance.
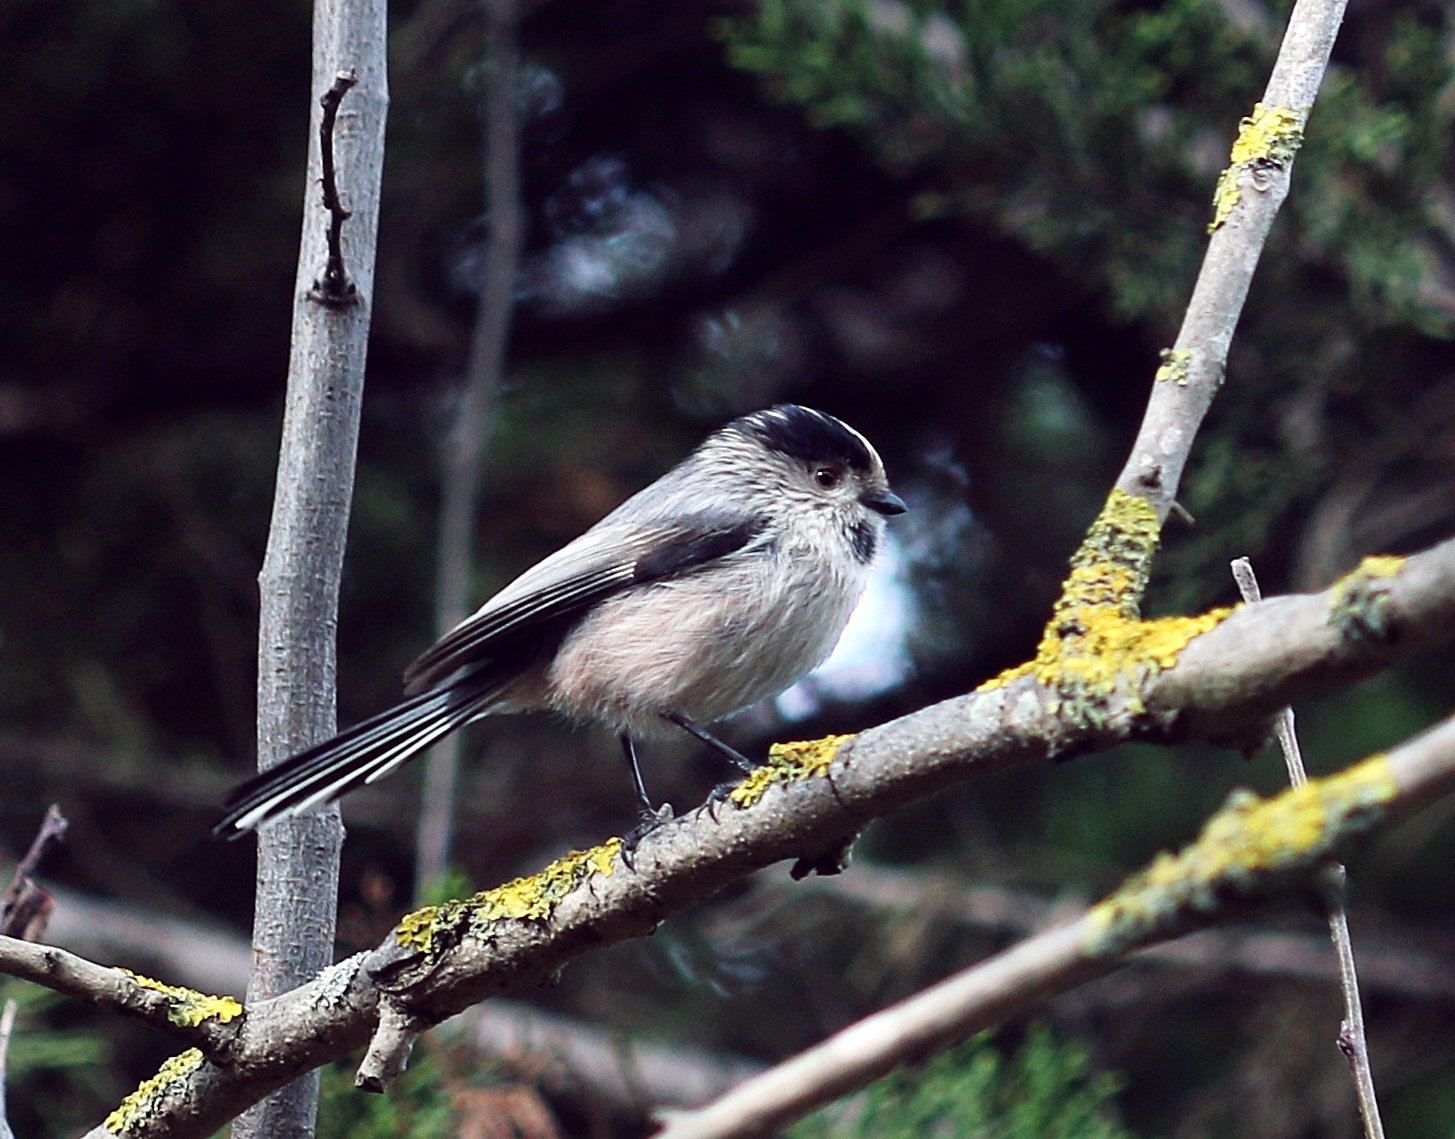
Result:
x=802 y=460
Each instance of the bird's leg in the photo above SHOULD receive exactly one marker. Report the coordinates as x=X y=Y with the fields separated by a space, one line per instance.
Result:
x=629 y=750
x=652 y=817
x=731 y=754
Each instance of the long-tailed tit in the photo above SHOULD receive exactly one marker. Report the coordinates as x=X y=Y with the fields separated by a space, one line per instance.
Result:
x=717 y=586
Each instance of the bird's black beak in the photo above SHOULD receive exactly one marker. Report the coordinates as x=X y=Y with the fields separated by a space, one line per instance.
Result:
x=884 y=502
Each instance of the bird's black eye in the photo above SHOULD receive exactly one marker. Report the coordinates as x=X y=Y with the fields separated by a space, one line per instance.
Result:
x=828 y=477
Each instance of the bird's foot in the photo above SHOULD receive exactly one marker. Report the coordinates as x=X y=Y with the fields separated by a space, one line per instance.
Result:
x=651 y=819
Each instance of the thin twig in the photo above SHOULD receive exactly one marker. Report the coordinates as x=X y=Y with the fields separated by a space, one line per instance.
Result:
x=334 y=288
x=1352 y=1040
x=25 y=907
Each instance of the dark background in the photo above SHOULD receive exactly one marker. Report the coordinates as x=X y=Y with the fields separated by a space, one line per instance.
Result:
x=965 y=229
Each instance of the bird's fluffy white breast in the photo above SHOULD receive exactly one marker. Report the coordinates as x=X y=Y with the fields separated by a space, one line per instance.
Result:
x=709 y=643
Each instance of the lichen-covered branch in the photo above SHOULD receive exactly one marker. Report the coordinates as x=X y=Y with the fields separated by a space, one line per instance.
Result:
x=1388 y=965
x=1248 y=196
x=1250 y=849
x=184 y=1013
x=1223 y=682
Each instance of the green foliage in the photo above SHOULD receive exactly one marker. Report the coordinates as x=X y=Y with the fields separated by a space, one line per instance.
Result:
x=35 y=1047
x=1045 y=1091
x=416 y=1106
x=453 y=883
x=1093 y=132
x=1132 y=110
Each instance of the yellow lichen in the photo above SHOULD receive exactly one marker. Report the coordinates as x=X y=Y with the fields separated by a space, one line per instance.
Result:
x=188 y=1007
x=140 y=1105
x=531 y=899
x=1247 y=841
x=1175 y=365
x=1359 y=605
x=1096 y=638
x=1267 y=140
x=788 y=763
x=416 y=929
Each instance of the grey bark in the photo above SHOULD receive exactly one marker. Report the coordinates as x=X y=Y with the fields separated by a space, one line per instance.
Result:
x=1175 y=409
x=464 y=446
x=297 y=884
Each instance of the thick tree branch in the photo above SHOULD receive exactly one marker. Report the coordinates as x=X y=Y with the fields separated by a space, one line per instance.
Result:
x=298 y=587
x=1250 y=849
x=1225 y=682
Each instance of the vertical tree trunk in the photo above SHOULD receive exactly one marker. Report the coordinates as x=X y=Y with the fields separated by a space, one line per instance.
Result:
x=297 y=890
x=465 y=444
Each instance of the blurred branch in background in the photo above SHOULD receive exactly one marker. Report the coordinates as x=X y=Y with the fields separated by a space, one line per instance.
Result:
x=25 y=910
x=464 y=445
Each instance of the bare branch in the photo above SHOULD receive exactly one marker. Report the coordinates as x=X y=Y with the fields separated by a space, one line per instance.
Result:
x=1352 y=1039
x=7 y=1026
x=569 y=1058
x=1248 y=197
x=25 y=907
x=190 y=1016
x=297 y=892
x=1232 y=862
x=334 y=287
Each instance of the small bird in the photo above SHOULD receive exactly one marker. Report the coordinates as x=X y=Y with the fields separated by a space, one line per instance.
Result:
x=717 y=586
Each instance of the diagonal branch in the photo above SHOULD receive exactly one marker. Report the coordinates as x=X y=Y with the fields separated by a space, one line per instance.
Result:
x=1248 y=850
x=1248 y=197
x=1225 y=682
x=188 y=1015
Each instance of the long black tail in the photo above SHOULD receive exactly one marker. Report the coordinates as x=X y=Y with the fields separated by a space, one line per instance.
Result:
x=362 y=754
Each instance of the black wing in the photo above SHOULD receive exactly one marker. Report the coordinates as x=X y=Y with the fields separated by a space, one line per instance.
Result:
x=573 y=580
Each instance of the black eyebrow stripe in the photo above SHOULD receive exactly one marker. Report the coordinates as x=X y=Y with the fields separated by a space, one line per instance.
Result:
x=808 y=435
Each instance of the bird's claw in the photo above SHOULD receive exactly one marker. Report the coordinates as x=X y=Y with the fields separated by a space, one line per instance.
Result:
x=651 y=819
